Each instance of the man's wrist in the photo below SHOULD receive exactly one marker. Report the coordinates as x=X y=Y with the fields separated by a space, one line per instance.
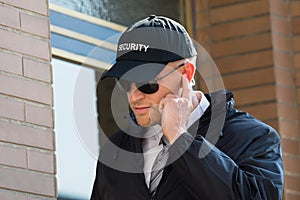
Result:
x=173 y=135
x=180 y=145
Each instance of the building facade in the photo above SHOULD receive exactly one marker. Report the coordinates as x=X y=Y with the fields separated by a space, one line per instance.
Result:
x=255 y=44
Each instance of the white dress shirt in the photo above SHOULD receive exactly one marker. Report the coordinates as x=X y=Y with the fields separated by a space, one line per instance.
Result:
x=153 y=135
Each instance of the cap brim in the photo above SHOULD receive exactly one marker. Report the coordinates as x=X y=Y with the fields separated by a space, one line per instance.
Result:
x=134 y=70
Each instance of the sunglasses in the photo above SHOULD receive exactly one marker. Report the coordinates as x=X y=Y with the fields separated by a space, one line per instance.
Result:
x=148 y=87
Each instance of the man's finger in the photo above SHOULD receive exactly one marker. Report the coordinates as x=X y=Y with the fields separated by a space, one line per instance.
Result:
x=186 y=88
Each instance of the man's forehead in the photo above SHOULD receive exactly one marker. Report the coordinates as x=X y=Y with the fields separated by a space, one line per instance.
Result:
x=144 y=72
x=149 y=71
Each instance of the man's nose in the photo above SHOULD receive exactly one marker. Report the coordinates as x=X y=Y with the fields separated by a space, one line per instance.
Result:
x=135 y=94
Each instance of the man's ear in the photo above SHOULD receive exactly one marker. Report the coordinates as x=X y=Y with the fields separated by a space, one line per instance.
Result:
x=189 y=70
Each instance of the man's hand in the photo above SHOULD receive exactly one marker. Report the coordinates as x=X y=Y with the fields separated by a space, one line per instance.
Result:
x=176 y=110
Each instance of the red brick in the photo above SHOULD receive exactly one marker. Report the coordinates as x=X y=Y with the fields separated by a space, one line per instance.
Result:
x=41 y=161
x=286 y=94
x=206 y=68
x=238 y=11
x=9 y=17
x=9 y=195
x=26 y=89
x=240 y=28
x=201 y=5
x=207 y=48
x=291 y=164
x=289 y=129
x=292 y=196
x=39 y=115
x=290 y=146
x=249 y=95
x=214 y=3
x=248 y=79
x=297 y=78
x=10 y=63
x=210 y=77
x=35 y=25
x=27 y=181
x=263 y=112
x=284 y=77
x=214 y=84
x=297 y=60
x=287 y=112
x=11 y=109
x=295 y=8
x=283 y=43
x=279 y=7
x=242 y=45
x=12 y=156
x=40 y=6
x=37 y=70
x=280 y=25
x=283 y=59
x=24 y=135
x=295 y=25
x=239 y=63
x=298 y=95
x=292 y=182
x=24 y=44
x=296 y=43
x=203 y=36
x=202 y=19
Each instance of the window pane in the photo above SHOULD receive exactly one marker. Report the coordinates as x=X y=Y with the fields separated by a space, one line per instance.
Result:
x=123 y=12
x=76 y=128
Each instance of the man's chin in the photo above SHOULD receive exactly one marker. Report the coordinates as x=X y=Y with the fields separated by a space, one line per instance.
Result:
x=147 y=124
x=152 y=119
x=144 y=124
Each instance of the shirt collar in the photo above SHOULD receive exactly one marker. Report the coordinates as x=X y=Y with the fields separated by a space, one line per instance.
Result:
x=199 y=110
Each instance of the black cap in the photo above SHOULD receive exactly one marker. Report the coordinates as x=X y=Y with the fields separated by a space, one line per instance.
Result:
x=150 y=43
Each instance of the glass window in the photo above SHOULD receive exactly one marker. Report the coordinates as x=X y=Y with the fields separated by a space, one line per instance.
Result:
x=125 y=12
x=76 y=129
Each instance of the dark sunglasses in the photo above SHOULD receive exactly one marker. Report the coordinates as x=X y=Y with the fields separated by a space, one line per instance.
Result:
x=148 y=87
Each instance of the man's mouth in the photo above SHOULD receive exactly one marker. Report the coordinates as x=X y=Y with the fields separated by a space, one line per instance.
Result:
x=141 y=109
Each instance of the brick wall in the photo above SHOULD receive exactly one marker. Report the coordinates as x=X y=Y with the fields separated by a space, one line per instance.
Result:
x=27 y=160
x=284 y=17
x=256 y=46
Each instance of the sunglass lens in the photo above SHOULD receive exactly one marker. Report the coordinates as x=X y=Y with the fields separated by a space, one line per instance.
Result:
x=149 y=88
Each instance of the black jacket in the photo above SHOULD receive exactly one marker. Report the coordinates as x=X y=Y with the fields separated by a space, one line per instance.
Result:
x=244 y=163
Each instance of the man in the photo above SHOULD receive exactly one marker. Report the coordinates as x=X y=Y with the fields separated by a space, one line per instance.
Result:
x=181 y=144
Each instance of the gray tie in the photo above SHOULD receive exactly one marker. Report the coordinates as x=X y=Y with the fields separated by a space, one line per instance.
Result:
x=158 y=168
